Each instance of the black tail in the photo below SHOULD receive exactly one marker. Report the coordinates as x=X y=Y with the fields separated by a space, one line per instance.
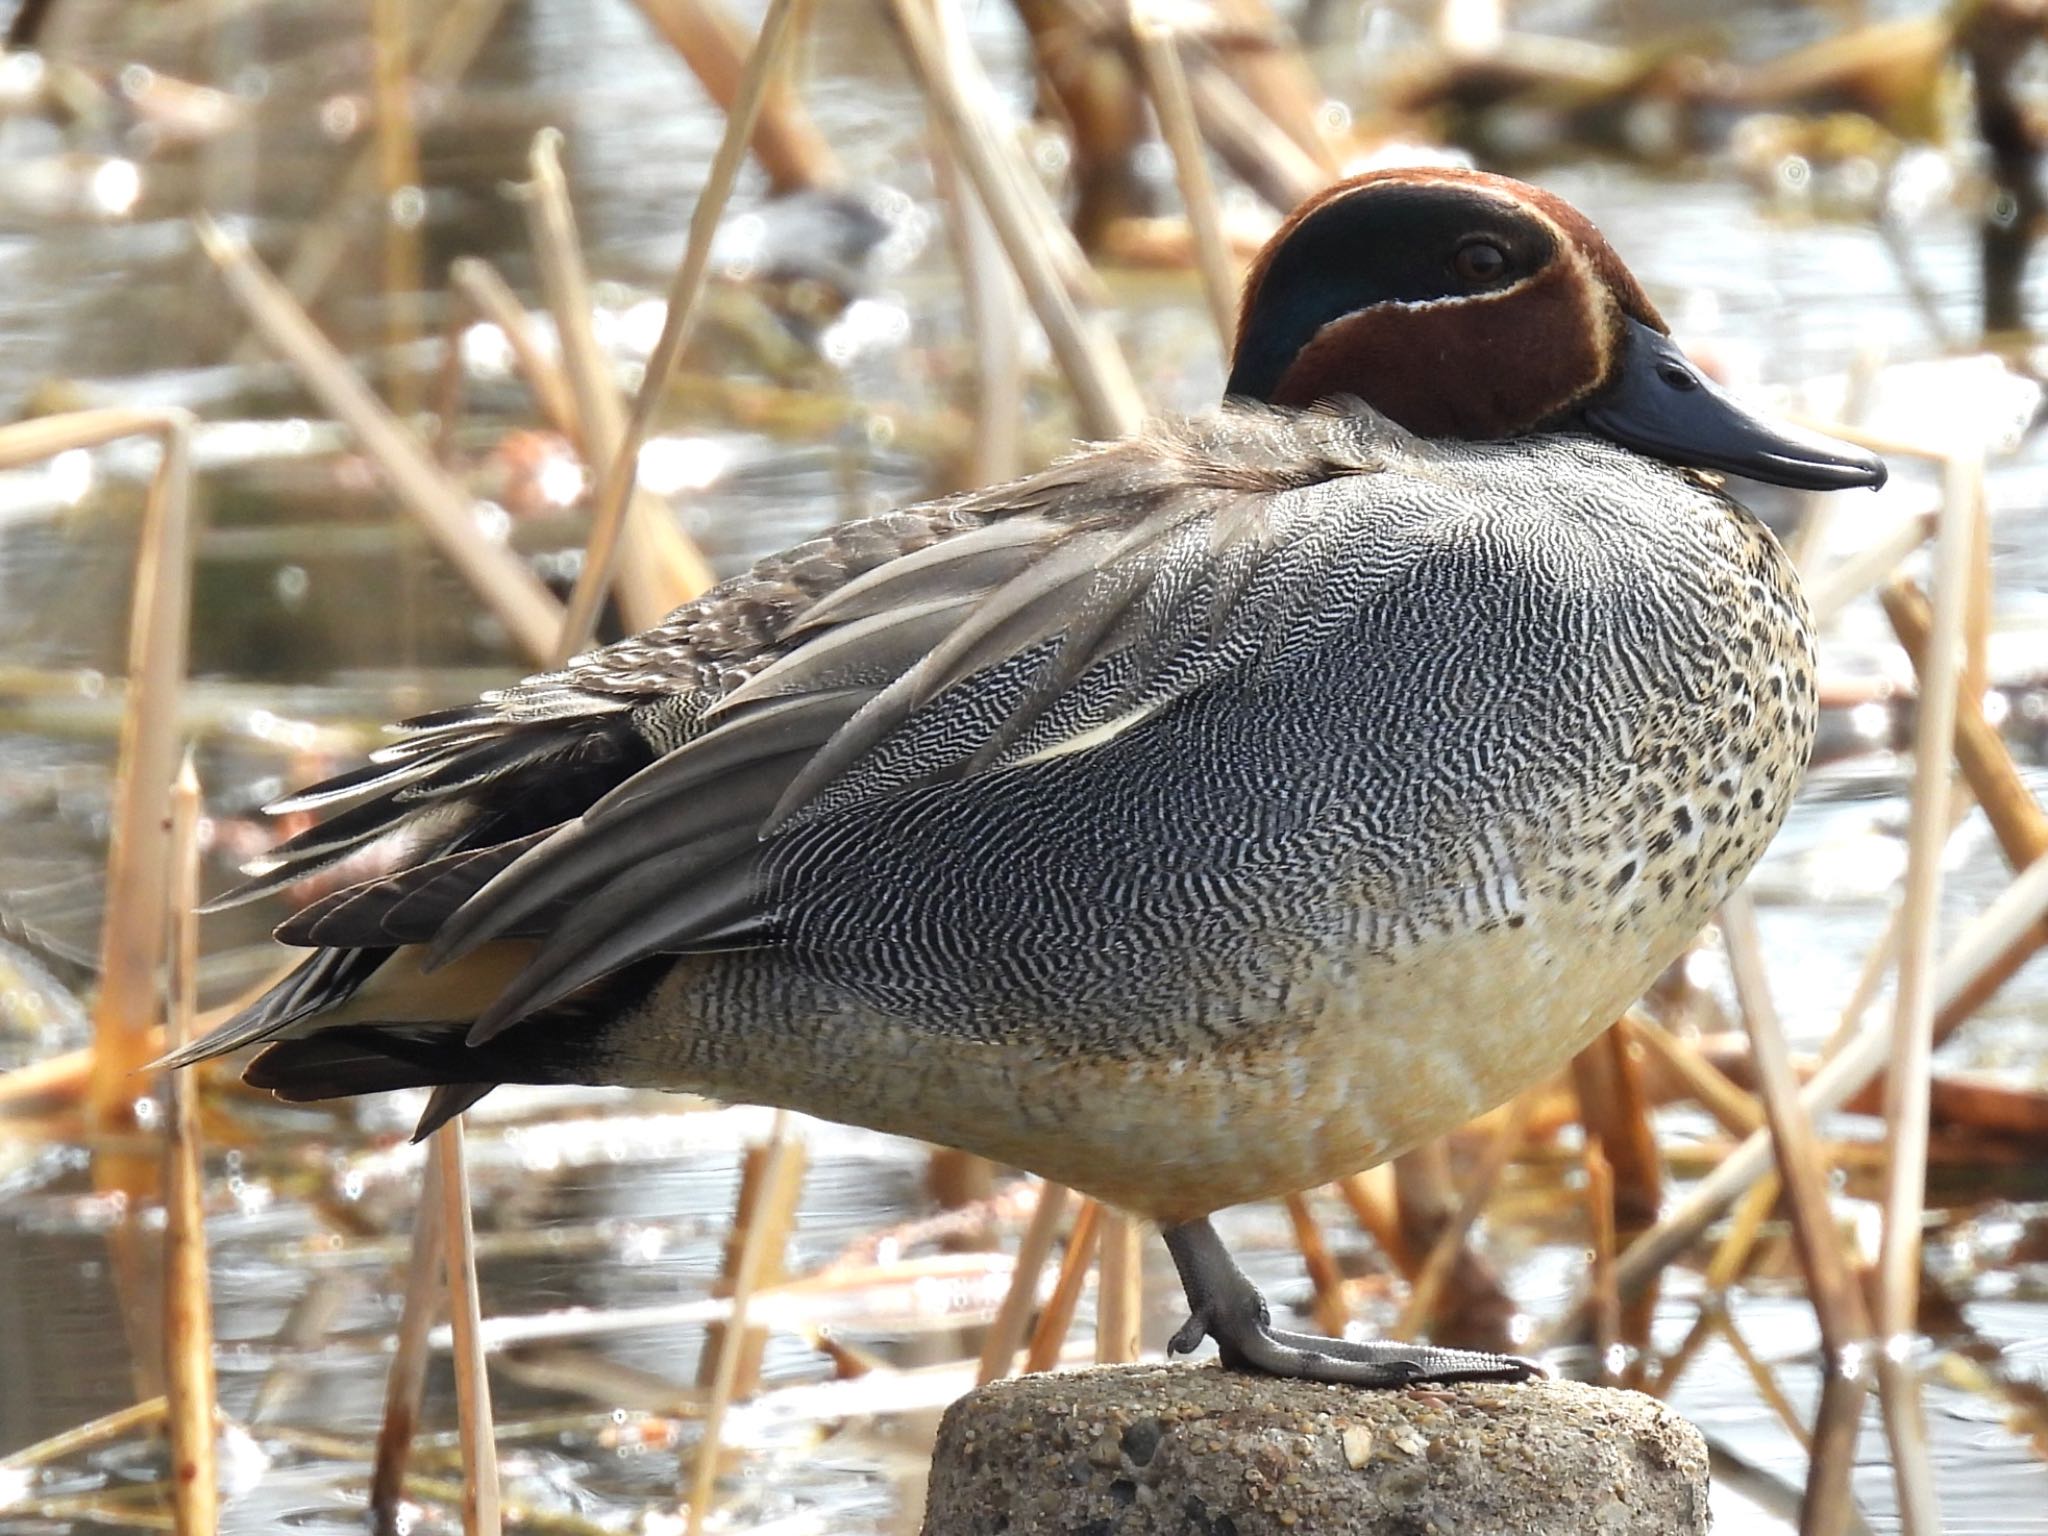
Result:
x=560 y=1044
x=364 y=1058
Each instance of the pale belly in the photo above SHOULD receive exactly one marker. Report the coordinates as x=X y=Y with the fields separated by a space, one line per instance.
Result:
x=1369 y=1068
x=1375 y=1056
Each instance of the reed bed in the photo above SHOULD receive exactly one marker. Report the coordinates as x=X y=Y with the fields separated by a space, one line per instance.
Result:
x=1429 y=1225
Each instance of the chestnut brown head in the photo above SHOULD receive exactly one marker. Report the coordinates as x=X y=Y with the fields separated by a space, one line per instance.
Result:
x=1467 y=305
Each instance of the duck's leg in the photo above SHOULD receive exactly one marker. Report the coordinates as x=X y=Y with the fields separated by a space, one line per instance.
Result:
x=1225 y=1306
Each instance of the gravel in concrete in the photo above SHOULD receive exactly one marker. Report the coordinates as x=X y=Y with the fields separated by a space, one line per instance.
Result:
x=1151 y=1450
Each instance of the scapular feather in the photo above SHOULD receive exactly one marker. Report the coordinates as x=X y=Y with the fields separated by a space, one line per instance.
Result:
x=1091 y=597
x=857 y=654
x=977 y=561
x=373 y=778
x=766 y=730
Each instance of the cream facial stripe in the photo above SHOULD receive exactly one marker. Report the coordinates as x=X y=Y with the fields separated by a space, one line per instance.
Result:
x=1600 y=326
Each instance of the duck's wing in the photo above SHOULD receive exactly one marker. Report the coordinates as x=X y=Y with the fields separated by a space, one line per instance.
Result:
x=623 y=807
x=1041 y=635
x=462 y=793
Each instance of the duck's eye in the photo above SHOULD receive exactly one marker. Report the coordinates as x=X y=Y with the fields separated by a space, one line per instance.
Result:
x=1480 y=262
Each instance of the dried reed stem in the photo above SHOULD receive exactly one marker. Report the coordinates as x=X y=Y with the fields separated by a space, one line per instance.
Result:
x=1906 y=1106
x=1717 y=1093
x=1049 y=1336
x=1985 y=944
x=1980 y=985
x=1332 y=1314
x=405 y=1385
x=771 y=1185
x=1167 y=82
x=530 y=614
x=1371 y=1197
x=1267 y=63
x=1731 y=1254
x=138 y=859
x=661 y=567
x=1850 y=431
x=787 y=144
x=1450 y=1242
x=25 y=442
x=1817 y=508
x=1977 y=600
x=188 y=1308
x=995 y=304
x=448 y=394
x=1832 y=591
x=481 y=1514
x=1673 y=1366
x=67 y=1076
x=1724 y=1268
x=461 y=28
x=1766 y=1382
x=1829 y=1505
x=783 y=1167
x=1119 y=1294
x=492 y=297
x=398 y=169
x=1095 y=369
x=615 y=453
x=1006 y=1333
x=1251 y=143
x=62 y=1078
x=1606 y=1301
x=2016 y=817
x=1877 y=964
x=83 y=1437
x=132 y=933
x=1612 y=1107
x=995 y=320
x=1831 y=1280
x=1264 y=154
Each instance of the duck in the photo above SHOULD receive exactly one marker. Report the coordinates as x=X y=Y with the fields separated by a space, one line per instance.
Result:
x=1214 y=813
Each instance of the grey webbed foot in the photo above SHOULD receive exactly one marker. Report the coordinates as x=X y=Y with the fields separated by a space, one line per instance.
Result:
x=1225 y=1306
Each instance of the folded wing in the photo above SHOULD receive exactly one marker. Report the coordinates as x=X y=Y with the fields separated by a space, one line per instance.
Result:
x=612 y=815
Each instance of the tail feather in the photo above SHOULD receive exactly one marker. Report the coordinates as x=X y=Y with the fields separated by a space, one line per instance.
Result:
x=358 y=1058
x=325 y=979
x=454 y=800
x=338 y=1063
x=400 y=1029
x=337 y=988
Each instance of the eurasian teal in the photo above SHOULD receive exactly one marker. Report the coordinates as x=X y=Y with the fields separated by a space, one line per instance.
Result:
x=1212 y=814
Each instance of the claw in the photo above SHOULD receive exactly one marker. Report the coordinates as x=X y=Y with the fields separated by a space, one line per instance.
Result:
x=1188 y=1337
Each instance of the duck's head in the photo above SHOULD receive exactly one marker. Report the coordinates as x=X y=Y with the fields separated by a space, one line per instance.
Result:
x=1468 y=305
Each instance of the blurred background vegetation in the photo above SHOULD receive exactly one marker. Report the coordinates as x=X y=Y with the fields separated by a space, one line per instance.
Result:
x=330 y=320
